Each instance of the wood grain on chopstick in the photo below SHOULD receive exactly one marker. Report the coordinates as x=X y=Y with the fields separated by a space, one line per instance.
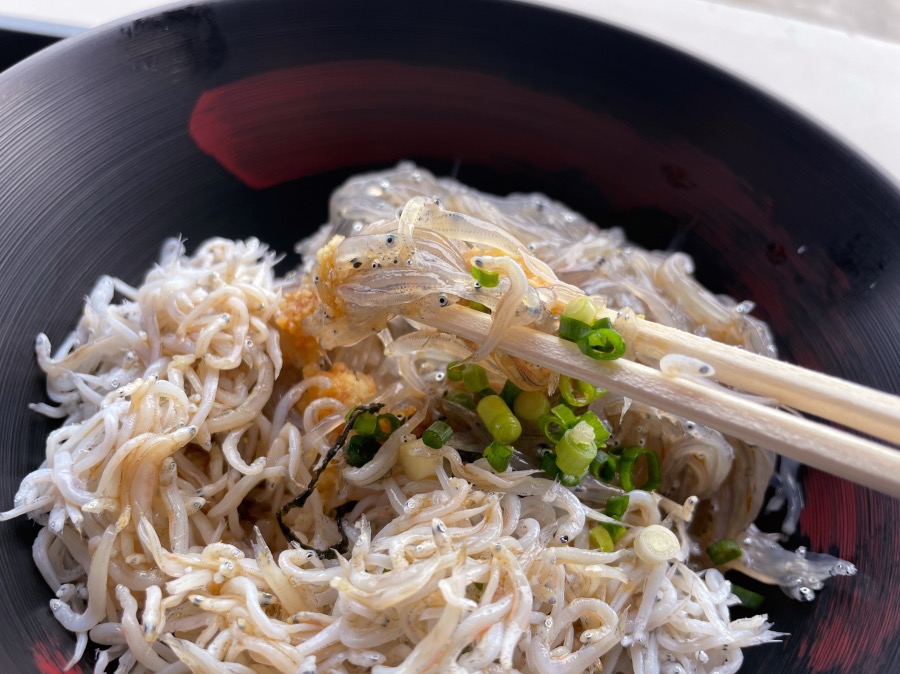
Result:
x=814 y=444
x=857 y=407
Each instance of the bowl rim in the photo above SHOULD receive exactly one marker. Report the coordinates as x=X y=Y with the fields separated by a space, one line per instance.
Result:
x=842 y=145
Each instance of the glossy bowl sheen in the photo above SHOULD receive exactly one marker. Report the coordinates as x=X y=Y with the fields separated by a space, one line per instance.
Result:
x=237 y=118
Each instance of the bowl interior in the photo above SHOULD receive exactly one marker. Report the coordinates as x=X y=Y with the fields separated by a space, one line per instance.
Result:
x=238 y=118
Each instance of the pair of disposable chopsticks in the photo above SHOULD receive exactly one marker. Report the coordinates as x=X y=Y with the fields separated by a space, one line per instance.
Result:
x=815 y=444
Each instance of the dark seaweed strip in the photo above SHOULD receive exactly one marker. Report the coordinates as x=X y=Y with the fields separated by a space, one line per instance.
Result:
x=300 y=499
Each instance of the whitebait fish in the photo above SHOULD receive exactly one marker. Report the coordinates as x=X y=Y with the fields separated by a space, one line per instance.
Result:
x=256 y=474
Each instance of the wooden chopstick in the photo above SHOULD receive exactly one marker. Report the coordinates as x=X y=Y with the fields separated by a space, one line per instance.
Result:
x=848 y=404
x=818 y=445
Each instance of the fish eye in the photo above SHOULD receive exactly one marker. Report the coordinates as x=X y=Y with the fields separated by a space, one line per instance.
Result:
x=443 y=300
x=390 y=239
x=316 y=278
x=356 y=263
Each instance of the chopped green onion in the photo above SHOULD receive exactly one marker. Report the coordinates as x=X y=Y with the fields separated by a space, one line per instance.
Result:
x=455 y=371
x=723 y=551
x=602 y=324
x=478 y=306
x=385 y=424
x=531 y=405
x=749 y=598
x=360 y=449
x=626 y=468
x=437 y=435
x=416 y=466
x=498 y=455
x=600 y=539
x=576 y=450
x=656 y=544
x=475 y=378
x=565 y=415
x=567 y=480
x=610 y=470
x=598 y=462
x=571 y=329
x=616 y=506
x=509 y=393
x=551 y=428
x=604 y=467
x=548 y=464
x=601 y=433
x=488 y=279
x=602 y=344
x=365 y=424
x=576 y=393
x=581 y=309
x=462 y=398
x=616 y=531
x=356 y=410
x=499 y=420
x=556 y=422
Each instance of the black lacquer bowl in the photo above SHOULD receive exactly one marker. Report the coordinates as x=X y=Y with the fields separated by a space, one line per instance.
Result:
x=238 y=118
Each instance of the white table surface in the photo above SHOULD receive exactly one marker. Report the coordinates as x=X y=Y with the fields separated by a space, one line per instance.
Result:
x=849 y=82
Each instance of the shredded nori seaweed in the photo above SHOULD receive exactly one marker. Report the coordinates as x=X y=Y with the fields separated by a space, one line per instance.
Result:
x=301 y=498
